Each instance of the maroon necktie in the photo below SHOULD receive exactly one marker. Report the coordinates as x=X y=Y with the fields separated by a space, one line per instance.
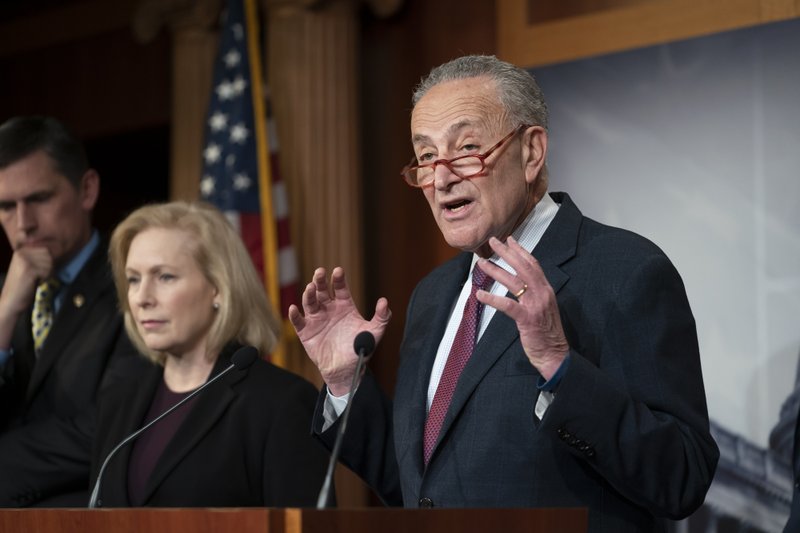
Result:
x=460 y=353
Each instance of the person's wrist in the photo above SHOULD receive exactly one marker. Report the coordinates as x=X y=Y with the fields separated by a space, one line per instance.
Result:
x=8 y=310
x=340 y=380
x=338 y=389
x=548 y=367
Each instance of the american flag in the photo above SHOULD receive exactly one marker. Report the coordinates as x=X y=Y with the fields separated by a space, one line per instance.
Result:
x=238 y=176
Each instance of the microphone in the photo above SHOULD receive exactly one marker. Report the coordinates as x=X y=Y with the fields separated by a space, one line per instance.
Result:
x=364 y=345
x=241 y=360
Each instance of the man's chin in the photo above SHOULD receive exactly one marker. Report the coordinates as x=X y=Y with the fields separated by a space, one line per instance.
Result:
x=470 y=245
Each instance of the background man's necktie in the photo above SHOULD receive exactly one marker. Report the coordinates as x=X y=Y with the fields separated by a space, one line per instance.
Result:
x=460 y=352
x=43 y=311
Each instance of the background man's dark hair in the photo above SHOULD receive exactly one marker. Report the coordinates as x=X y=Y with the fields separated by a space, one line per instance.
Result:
x=22 y=136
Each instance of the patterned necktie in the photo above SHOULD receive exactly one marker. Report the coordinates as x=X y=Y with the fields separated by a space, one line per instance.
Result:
x=42 y=315
x=460 y=352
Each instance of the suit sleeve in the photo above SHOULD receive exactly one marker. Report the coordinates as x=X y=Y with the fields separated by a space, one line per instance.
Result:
x=637 y=412
x=45 y=458
x=52 y=455
x=368 y=445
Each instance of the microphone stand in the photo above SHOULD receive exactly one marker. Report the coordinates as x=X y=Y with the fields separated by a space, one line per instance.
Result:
x=363 y=346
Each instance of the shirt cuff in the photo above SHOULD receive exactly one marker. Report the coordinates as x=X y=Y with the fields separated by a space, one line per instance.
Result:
x=551 y=384
x=333 y=408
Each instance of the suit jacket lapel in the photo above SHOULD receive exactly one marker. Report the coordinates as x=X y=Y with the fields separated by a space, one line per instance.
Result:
x=209 y=407
x=557 y=246
x=134 y=397
x=78 y=300
x=560 y=242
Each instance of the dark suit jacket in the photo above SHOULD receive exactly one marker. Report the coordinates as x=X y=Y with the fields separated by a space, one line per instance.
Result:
x=627 y=434
x=245 y=442
x=44 y=443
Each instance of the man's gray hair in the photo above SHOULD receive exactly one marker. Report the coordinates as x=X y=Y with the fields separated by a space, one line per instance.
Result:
x=517 y=88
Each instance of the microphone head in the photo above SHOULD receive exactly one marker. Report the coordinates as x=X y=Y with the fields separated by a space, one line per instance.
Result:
x=244 y=357
x=364 y=343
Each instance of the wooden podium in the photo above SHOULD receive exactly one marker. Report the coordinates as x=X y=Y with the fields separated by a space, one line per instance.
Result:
x=269 y=520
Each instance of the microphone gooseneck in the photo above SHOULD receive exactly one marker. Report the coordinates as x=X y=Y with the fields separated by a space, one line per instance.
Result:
x=364 y=345
x=241 y=360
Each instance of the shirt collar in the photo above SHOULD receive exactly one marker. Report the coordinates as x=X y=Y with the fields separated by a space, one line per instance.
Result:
x=71 y=270
x=530 y=231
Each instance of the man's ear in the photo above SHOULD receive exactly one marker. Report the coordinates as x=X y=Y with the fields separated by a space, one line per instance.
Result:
x=534 y=152
x=89 y=189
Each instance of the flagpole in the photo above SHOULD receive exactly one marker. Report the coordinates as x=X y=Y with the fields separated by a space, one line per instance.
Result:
x=268 y=229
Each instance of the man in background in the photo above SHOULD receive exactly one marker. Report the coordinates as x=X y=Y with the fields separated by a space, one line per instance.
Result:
x=60 y=330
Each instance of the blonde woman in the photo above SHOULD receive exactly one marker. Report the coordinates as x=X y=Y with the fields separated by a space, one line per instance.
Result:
x=191 y=297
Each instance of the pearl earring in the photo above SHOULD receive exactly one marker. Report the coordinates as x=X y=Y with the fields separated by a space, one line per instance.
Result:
x=216 y=306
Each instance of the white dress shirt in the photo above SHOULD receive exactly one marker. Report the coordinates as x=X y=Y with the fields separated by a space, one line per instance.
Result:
x=527 y=235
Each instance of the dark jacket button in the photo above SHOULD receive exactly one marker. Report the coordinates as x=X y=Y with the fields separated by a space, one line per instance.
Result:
x=425 y=503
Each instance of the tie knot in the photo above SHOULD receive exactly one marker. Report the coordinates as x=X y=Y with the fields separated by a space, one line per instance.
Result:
x=42 y=313
x=46 y=289
x=481 y=279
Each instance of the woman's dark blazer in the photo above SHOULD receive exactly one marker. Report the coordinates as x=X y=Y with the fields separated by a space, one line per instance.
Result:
x=246 y=442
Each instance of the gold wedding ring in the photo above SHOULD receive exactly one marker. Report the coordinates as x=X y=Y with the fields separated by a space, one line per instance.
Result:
x=521 y=291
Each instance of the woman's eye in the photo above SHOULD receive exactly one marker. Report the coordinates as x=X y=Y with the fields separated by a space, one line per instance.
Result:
x=469 y=148
x=132 y=280
x=166 y=277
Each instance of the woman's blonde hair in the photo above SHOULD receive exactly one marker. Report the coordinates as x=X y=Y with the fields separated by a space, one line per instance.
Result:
x=244 y=315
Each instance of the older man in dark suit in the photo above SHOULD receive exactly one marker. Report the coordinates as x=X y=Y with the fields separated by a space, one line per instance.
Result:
x=60 y=330
x=566 y=373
